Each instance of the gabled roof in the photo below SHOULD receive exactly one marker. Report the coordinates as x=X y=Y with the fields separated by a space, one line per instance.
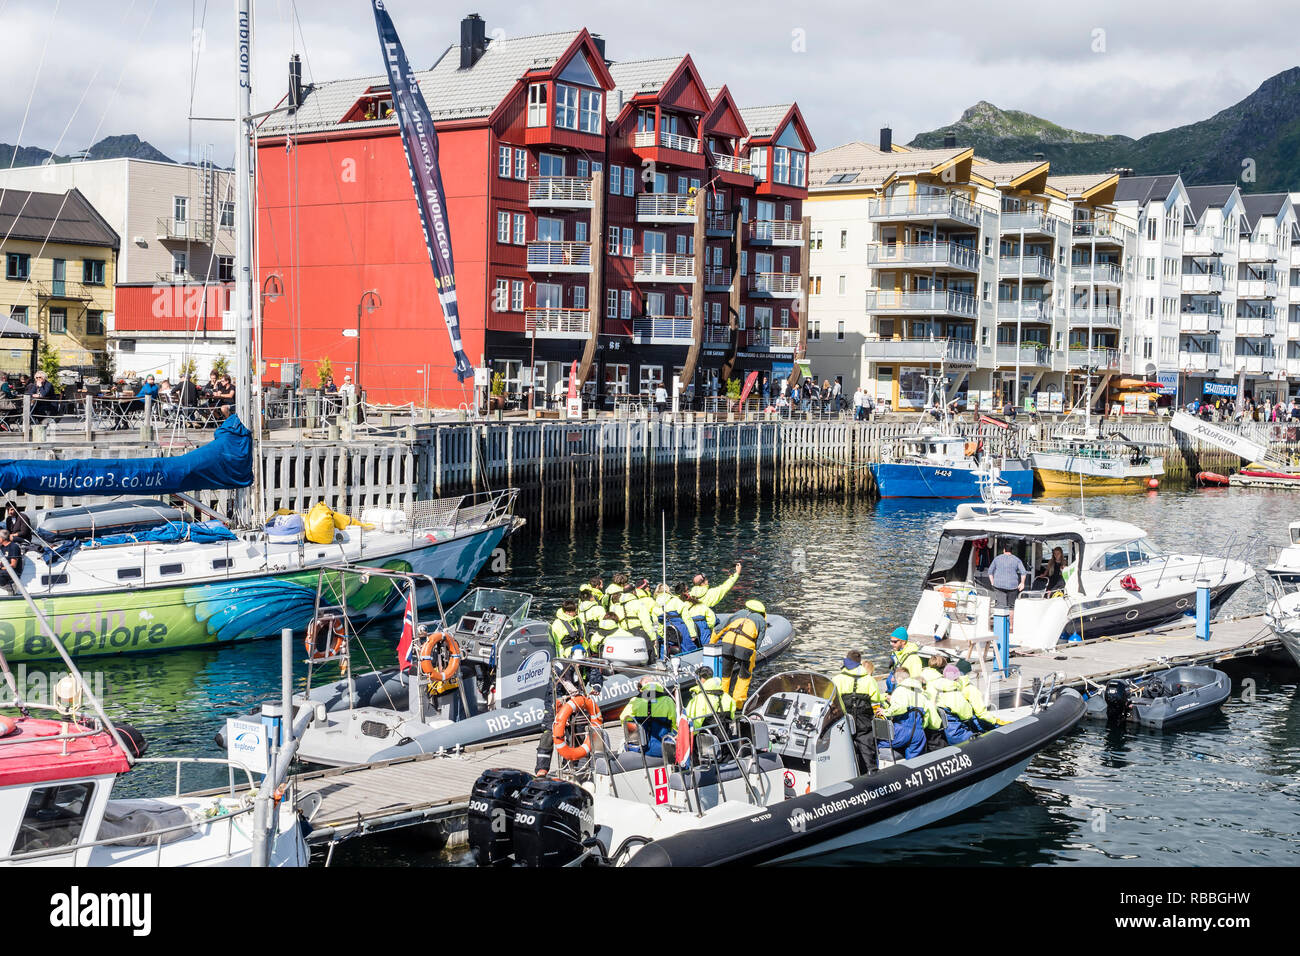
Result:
x=1009 y=174
x=724 y=116
x=1083 y=186
x=450 y=92
x=769 y=123
x=1145 y=189
x=1201 y=198
x=861 y=165
x=648 y=78
x=54 y=217
x=1261 y=205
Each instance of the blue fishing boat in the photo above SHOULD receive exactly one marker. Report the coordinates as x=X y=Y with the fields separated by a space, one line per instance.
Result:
x=931 y=465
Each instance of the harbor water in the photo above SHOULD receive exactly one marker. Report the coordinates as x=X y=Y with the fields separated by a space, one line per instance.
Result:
x=1222 y=791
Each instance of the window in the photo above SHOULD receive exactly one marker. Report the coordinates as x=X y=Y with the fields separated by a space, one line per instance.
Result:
x=679 y=305
x=815 y=239
x=815 y=285
x=503 y=227
x=1126 y=555
x=503 y=162
x=716 y=309
x=611 y=247
x=180 y=263
x=625 y=304
x=681 y=244
x=839 y=331
x=171 y=569
x=220 y=563
x=550 y=230
x=92 y=271
x=501 y=297
x=59 y=320
x=654 y=304
x=19 y=314
x=799 y=173
x=537 y=104
x=579 y=231
x=226 y=215
x=814 y=330
x=517 y=295
x=844 y=238
x=225 y=268
x=615 y=179
x=683 y=184
x=126 y=345
x=843 y=285
x=589 y=120
x=579 y=296
x=758 y=164
x=781 y=165
x=616 y=379
x=47 y=580
x=740 y=318
x=180 y=208
x=94 y=322
x=651 y=375
x=521 y=164
x=129 y=574
x=629 y=246
x=18 y=265
x=629 y=181
x=583 y=169
x=566 y=106
x=54 y=817
x=521 y=228
x=611 y=304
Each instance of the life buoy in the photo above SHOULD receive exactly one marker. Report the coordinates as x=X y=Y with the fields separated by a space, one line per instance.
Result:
x=7 y=726
x=325 y=632
x=442 y=674
x=562 y=716
x=970 y=448
x=1129 y=583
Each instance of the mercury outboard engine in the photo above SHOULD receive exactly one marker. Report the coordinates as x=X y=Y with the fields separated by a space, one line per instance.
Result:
x=491 y=815
x=1117 y=700
x=552 y=820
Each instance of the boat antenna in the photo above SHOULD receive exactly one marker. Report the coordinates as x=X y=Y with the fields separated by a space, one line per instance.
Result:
x=663 y=545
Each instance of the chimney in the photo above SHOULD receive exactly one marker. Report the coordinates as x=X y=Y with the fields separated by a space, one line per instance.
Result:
x=886 y=139
x=473 y=40
x=295 y=82
x=949 y=140
x=599 y=40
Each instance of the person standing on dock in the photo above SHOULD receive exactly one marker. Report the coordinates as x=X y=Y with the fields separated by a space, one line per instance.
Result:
x=1007 y=574
x=710 y=596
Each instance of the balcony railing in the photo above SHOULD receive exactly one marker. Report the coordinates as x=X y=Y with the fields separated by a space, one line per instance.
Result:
x=1201 y=323
x=719 y=223
x=559 y=323
x=195 y=230
x=1084 y=229
x=1026 y=310
x=1202 y=283
x=1189 y=361
x=1097 y=315
x=937 y=301
x=64 y=289
x=1031 y=267
x=1098 y=273
x=925 y=206
x=1096 y=357
x=683 y=144
x=1207 y=243
x=777 y=284
x=717 y=335
x=717 y=278
x=1256 y=326
x=664 y=207
x=1257 y=363
x=1023 y=355
x=559 y=256
x=1256 y=288
x=731 y=164
x=1029 y=221
x=925 y=254
x=782 y=339
x=957 y=352
x=560 y=191
x=1256 y=250
x=175 y=277
x=673 y=330
x=776 y=232
x=656 y=268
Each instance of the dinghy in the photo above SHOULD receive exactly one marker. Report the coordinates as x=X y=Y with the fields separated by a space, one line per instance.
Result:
x=1170 y=697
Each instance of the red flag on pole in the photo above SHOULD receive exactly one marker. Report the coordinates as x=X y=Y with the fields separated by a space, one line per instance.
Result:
x=684 y=738
x=405 y=657
x=750 y=379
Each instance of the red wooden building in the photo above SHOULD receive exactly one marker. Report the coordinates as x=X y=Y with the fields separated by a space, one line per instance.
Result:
x=622 y=215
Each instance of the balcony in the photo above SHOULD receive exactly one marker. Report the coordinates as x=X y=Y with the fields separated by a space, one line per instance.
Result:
x=933 y=302
x=1295 y=254
x=648 y=139
x=775 y=285
x=1096 y=273
x=775 y=232
x=1208 y=243
x=731 y=164
x=63 y=290
x=559 y=192
x=932 y=207
x=661 y=330
x=1256 y=326
x=665 y=207
x=1099 y=230
x=954 y=352
x=559 y=257
x=1028 y=267
x=1025 y=310
x=717 y=279
x=771 y=340
x=1293 y=294
x=1030 y=221
x=1256 y=288
x=1101 y=315
x=660 y=268
x=183 y=230
x=1263 y=363
x=1101 y=358
x=719 y=225
x=1034 y=355
x=923 y=255
x=174 y=277
x=558 y=323
x=717 y=335
x=1257 y=250
x=1201 y=323
x=1190 y=361
x=1202 y=283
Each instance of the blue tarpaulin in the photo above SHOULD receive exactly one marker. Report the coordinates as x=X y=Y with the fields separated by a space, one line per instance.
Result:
x=204 y=532
x=225 y=462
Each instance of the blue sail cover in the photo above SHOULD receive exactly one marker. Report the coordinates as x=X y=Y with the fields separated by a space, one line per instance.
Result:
x=225 y=462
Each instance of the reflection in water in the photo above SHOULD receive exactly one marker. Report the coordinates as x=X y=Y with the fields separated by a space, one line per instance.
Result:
x=846 y=573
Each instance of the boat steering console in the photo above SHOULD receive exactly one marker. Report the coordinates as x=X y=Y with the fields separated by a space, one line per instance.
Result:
x=478 y=633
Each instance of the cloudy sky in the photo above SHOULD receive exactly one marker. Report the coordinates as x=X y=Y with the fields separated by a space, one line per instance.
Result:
x=75 y=71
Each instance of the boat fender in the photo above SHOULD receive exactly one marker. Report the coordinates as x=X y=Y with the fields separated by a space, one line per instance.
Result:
x=7 y=726
x=440 y=674
x=563 y=714
x=130 y=738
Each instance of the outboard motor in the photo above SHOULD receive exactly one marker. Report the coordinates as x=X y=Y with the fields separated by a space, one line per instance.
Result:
x=491 y=815
x=552 y=820
x=1117 y=701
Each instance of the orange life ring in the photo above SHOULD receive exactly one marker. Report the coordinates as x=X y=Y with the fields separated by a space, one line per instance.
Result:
x=562 y=715
x=7 y=726
x=333 y=624
x=970 y=448
x=426 y=656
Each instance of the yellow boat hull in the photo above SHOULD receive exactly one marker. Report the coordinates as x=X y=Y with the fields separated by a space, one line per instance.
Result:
x=1065 y=482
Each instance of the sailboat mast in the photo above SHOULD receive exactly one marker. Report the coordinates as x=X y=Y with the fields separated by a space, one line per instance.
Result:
x=244 y=245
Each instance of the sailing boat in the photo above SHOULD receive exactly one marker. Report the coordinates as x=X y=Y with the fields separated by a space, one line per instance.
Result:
x=137 y=575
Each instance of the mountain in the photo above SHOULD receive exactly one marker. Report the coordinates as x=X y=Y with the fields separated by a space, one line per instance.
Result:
x=110 y=147
x=1264 y=127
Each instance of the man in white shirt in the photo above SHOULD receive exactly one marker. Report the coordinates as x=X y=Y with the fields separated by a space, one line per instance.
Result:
x=661 y=397
x=857 y=404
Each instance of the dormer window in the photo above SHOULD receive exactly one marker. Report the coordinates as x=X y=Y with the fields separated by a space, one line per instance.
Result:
x=758 y=163
x=374 y=105
x=577 y=109
x=537 y=104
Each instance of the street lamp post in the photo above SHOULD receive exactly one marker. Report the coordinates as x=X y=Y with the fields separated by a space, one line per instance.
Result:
x=370 y=301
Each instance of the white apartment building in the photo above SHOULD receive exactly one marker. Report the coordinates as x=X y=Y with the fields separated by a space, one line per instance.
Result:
x=176 y=265
x=1219 y=263
x=1015 y=283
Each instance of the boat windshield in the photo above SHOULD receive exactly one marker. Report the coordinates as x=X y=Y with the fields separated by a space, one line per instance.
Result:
x=1128 y=554
x=513 y=604
x=964 y=558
